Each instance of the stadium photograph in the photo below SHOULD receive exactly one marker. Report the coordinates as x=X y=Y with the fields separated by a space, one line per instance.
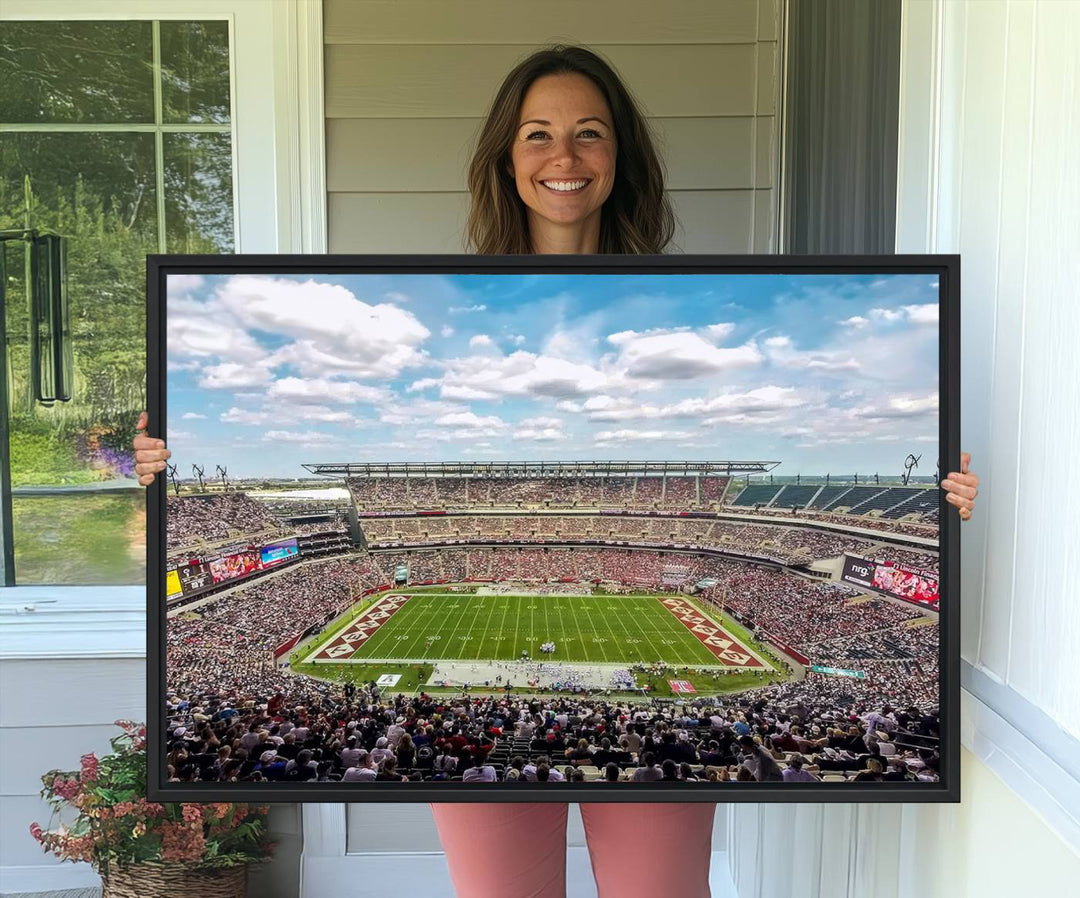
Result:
x=711 y=558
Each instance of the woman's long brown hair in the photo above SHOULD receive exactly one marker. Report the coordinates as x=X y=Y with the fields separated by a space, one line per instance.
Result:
x=637 y=216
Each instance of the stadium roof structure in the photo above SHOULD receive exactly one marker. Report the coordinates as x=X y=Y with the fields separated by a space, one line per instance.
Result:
x=538 y=468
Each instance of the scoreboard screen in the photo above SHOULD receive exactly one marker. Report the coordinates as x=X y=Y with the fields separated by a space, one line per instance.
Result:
x=194 y=577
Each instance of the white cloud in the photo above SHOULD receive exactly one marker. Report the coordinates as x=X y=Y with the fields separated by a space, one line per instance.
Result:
x=519 y=374
x=480 y=340
x=447 y=331
x=754 y=401
x=332 y=327
x=459 y=310
x=180 y=284
x=471 y=420
x=541 y=422
x=517 y=339
x=856 y=321
x=678 y=355
x=419 y=411
x=309 y=438
x=540 y=434
x=926 y=313
x=607 y=437
x=782 y=351
x=230 y=376
x=246 y=416
x=540 y=429
x=194 y=331
x=899 y=407
x=718 y=332
x=923 y=314
x=315 y=390
x=886 y=314
x=319 y=413
x=193 y=416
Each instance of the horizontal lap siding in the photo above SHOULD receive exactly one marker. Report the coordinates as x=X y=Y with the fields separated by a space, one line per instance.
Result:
x=408 y=83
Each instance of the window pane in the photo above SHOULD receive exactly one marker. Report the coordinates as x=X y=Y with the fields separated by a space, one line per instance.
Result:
x=98 y=191
x=76 y=72
x=198 y=193
x=195 y=71
x=81 y=539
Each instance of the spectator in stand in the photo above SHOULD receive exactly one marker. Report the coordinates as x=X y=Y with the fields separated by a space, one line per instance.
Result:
x=648 y=772
x=759 y=762
x=479 y=772
x=794 y=772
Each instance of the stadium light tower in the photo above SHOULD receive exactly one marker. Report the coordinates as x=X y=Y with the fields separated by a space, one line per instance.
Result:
x=222 y=471
x=172 y=476
x=198 y=472
x=912 y=461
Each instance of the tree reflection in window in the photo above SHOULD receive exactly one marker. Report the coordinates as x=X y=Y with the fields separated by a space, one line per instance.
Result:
x=122 y=130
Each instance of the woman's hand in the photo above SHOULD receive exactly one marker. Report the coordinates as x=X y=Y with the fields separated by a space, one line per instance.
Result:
x=962 y=488
x=150 y=454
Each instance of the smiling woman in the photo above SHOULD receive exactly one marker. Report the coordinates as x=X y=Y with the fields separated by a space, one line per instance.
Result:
x=563 y=117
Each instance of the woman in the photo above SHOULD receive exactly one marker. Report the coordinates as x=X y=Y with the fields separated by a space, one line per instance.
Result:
x=565 y=164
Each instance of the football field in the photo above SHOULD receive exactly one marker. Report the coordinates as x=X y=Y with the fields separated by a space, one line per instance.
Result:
x=597 y=629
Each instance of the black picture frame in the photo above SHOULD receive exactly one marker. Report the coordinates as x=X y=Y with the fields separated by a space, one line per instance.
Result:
x=946 y=267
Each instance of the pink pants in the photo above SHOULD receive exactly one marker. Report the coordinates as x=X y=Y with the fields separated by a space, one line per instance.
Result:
x=519 y=850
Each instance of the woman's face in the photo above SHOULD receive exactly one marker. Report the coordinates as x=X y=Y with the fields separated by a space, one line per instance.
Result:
x=563 y=154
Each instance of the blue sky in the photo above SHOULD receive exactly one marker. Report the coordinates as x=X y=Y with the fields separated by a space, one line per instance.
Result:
x=824 y=373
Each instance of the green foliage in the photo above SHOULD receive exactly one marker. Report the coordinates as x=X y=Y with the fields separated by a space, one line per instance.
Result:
x=115 y=824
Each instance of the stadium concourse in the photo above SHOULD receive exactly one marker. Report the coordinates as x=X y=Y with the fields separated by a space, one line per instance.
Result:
x=836 y=582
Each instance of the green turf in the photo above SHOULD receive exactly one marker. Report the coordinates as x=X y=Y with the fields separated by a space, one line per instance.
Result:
x=604 y=629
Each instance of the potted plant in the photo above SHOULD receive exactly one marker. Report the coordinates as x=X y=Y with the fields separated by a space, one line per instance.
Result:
x=142 y=848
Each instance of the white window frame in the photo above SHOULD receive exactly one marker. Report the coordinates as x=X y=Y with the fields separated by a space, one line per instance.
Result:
x=279 y=165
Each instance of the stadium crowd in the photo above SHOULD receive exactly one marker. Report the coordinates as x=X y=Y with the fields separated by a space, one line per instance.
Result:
x=677 y=493
x=194 y=519
x=784 y=544
x=797 y=732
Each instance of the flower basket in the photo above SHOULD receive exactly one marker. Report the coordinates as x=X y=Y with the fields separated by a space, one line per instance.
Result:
x=162 y=880
x=146 y=849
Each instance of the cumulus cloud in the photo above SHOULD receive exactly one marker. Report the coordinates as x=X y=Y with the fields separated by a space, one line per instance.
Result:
x=180 y=284
x=782 y=351
x=747 y=402
x=246 y=416
x=317 y=390
x=331 y=327
x=193 y=332
x=856 y=321
x=678 y=355
x=926 y=313
x=447 y=331
x=480 y=341
x=609 y=437
x=471 y=420
x=518 y=374
x=309 y=438
x=230 y=376
x=193 y=416
x=718 y=332
x=898 y=407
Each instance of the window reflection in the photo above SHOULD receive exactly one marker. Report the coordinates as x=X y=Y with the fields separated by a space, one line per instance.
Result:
x=79 y=515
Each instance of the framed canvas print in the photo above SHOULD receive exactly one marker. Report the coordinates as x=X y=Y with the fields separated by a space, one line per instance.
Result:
x=553 y=528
